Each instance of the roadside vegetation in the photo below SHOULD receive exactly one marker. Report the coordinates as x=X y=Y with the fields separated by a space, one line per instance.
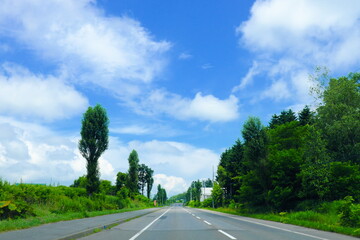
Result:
x=26 y=205
x=301 y=168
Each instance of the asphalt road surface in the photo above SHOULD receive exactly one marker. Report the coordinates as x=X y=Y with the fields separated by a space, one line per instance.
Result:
x=177 y=223
x=71 y=229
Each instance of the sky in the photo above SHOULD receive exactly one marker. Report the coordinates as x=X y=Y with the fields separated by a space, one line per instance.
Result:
x=178 y=78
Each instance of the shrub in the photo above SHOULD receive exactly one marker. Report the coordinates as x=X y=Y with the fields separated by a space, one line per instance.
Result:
x=349 y=213
x=207 y=203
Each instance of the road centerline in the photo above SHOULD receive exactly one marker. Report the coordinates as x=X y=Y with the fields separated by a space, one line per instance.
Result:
x=282 y=229
x=226 y=234
x=207 y=222
x=144 y=229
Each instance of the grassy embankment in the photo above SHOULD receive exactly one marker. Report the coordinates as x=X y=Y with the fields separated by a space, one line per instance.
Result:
x=24 y=206
x=325 y=216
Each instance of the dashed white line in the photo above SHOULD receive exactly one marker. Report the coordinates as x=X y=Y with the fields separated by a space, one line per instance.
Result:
x=142 y=230
x=283 y=229
x=198 y=217
x=207 y=222
x=226 y=234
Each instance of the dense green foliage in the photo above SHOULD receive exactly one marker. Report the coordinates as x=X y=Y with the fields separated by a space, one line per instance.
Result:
x=94 y=141
x=179 y=198
x=194 y=191
x=26 y=200
x=299 y=158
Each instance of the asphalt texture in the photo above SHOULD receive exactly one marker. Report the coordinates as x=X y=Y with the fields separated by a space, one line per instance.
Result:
x=72 y=229
x=177 y=223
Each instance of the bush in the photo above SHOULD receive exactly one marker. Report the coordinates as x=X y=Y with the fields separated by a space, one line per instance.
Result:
x=349 y=213
x=207 y=203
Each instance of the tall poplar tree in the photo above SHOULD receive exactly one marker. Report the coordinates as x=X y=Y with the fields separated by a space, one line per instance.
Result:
x=94 y=141
x=133 y=177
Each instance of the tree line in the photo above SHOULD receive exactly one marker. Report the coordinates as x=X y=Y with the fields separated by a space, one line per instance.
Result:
x=299 y=158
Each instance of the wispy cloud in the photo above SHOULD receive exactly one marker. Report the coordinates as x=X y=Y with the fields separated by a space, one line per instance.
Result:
x=206 y=66
x=248 y=79
x=184 y=56
x=116 y=53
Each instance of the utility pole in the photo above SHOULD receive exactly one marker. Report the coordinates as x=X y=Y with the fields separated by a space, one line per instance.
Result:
x=212 y=197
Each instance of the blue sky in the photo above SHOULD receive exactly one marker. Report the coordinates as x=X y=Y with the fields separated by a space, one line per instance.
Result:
x=178 y=78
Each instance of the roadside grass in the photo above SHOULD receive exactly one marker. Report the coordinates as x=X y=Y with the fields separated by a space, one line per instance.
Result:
x=326 y=221
x=45 y=216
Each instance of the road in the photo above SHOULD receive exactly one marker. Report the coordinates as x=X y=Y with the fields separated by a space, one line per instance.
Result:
x=177 y=223
x=72 y=229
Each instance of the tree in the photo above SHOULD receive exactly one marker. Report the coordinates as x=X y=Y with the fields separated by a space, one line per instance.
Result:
x=132 y=181
x=306 y=116
x=256 y=181
x=149 y=181
x=315 y=170
x=106 y=187
x=230 y=168
x=284 y=117
x=81 y=182
x=217 y=195
x=285 y=159
x=338 y=118
x=142 y=177
x=94 y=141
x=161 y=195
x=121 y=180
x=208 y=183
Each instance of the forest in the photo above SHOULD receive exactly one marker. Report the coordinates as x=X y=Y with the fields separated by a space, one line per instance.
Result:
x=298 y=160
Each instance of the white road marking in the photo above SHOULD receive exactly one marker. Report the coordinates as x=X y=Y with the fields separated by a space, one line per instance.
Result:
x=226 y=234
x=142 y=230
x=198 y=217
x=282 y=229
x=207 y=222
x=193 y=215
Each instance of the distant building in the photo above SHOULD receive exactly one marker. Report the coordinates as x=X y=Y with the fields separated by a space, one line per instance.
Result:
x=205 y=193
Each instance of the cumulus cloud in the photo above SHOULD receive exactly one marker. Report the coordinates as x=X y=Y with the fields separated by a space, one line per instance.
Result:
x=26 y=156
x=202 y=107
x=25 y=94
x=116 y=53
x=302 y=35
x=176 y=158
x=173 y=185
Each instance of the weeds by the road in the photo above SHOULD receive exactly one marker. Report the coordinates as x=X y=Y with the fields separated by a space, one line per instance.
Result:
x=326 y=218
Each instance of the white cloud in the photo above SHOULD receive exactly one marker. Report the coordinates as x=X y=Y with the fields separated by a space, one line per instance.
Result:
x=116 y=53
x=248 y=79
x=184 y=56
x=25 y=94
x=202 y=107
x=173 y=185
x=290 y=38
x=132 y=129
x=278 y=91
x=176 y=159
x=206 y=66
x=26 y=156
